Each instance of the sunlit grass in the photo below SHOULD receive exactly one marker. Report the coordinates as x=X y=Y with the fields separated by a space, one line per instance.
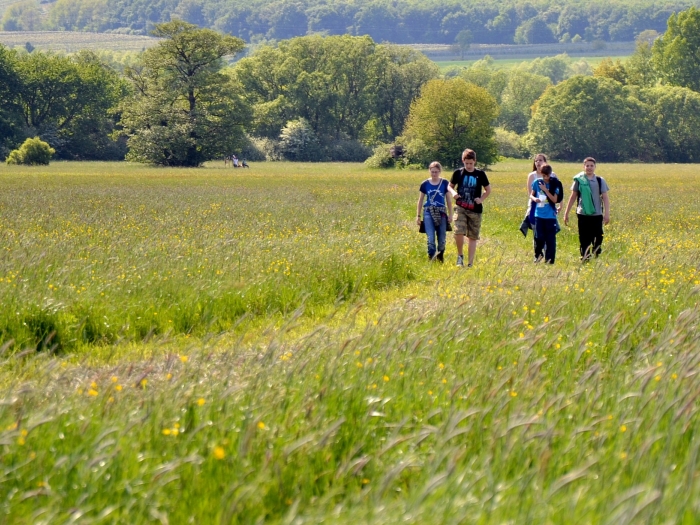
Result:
x=400 y=392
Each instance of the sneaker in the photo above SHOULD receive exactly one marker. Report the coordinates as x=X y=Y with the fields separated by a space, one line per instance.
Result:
x=440 y=256
x=469 y=265
x=460 y=261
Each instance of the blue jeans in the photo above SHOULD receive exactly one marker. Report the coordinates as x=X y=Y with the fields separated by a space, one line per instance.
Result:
x=431 y=231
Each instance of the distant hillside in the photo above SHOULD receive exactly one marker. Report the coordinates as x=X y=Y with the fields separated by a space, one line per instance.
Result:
x=398 y=21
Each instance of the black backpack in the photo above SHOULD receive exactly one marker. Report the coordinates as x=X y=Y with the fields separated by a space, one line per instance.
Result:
x=555 y=183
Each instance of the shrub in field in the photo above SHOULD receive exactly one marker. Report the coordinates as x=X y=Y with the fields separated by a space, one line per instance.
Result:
x=268 y=149
x=381 y=158
x=298 y=141
x=33 y=152
x=417 y=152
x=509 y=143
x=253 y=150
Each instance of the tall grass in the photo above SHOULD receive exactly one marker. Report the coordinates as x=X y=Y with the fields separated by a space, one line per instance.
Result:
x=511 y=392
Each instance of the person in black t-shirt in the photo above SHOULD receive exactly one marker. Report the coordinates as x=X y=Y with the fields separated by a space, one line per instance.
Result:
x=466 y=187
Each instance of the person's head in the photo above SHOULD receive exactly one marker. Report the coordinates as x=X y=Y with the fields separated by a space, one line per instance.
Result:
x=589 y=165
x=539 y=161
x=435 y=169
x=546 y=171
x=469 y=159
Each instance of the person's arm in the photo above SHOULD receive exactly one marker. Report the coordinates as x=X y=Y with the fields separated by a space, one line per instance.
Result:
x=448 y=199
x=419 y=206
x=530 y=180
x=606 y=211
x=452 y=191
x=572 y=198
x=551 y=196
x=484 y=196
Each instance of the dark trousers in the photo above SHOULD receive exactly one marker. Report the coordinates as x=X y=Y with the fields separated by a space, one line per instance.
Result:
x=546 y=239
x=590 y=235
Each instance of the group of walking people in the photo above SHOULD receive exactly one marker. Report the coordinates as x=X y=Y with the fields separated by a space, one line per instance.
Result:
x=469 y=187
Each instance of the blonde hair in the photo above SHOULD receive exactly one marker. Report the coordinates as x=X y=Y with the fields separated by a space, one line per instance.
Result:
x=435 y=164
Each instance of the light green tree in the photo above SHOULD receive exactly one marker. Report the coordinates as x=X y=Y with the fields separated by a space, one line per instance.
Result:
x=676 y=54
x=451 y=115
x=184 y=110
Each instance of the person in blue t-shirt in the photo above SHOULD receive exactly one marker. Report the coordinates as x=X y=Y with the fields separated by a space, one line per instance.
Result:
x=434 y=201
x=545 y=194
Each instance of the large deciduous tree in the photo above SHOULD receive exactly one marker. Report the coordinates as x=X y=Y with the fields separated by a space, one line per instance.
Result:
x=676 y=55
x=184 y=110
x=588 y=116
x=675 y=117
x=449 y=116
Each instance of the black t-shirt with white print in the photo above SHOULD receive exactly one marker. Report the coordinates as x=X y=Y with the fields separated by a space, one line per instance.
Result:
x=469 y=185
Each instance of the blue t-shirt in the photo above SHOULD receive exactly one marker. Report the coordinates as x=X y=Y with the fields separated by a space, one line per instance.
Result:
x=543 y=210
x=435 y=193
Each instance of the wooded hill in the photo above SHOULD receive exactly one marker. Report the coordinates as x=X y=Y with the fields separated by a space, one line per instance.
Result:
x=398 y=21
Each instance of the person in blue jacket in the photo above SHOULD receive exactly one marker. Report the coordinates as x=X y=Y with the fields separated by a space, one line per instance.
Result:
x=545 y=193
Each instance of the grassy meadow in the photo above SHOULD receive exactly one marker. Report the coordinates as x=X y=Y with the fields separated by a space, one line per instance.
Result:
x=271 y=345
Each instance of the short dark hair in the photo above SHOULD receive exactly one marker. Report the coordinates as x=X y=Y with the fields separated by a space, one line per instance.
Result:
x=469 y=154
x=435 y=164
x=590 y=159
x=546 y=169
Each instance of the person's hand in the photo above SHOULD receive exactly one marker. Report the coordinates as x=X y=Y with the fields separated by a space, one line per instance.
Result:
x=566 y=220
x=449 y=219
x=478 y=200
x=418 y=221
x=606 y=219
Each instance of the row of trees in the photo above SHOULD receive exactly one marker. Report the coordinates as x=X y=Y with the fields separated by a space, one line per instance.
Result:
x=645 y=109
x=68 y=101
x=399 y=21
x=309 y=98
x=329 y=98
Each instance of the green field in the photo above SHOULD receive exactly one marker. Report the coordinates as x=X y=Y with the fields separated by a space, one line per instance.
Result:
x=73 y=41
x=271 y=345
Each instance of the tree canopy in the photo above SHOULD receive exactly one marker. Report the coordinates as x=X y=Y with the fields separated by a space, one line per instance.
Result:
x=184 y=110
x=676 y=54
x=342 y=86
x=585 y=116
x=449 y=116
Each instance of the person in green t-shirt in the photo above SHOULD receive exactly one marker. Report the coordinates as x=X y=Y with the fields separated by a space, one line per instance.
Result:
x=590 y=192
